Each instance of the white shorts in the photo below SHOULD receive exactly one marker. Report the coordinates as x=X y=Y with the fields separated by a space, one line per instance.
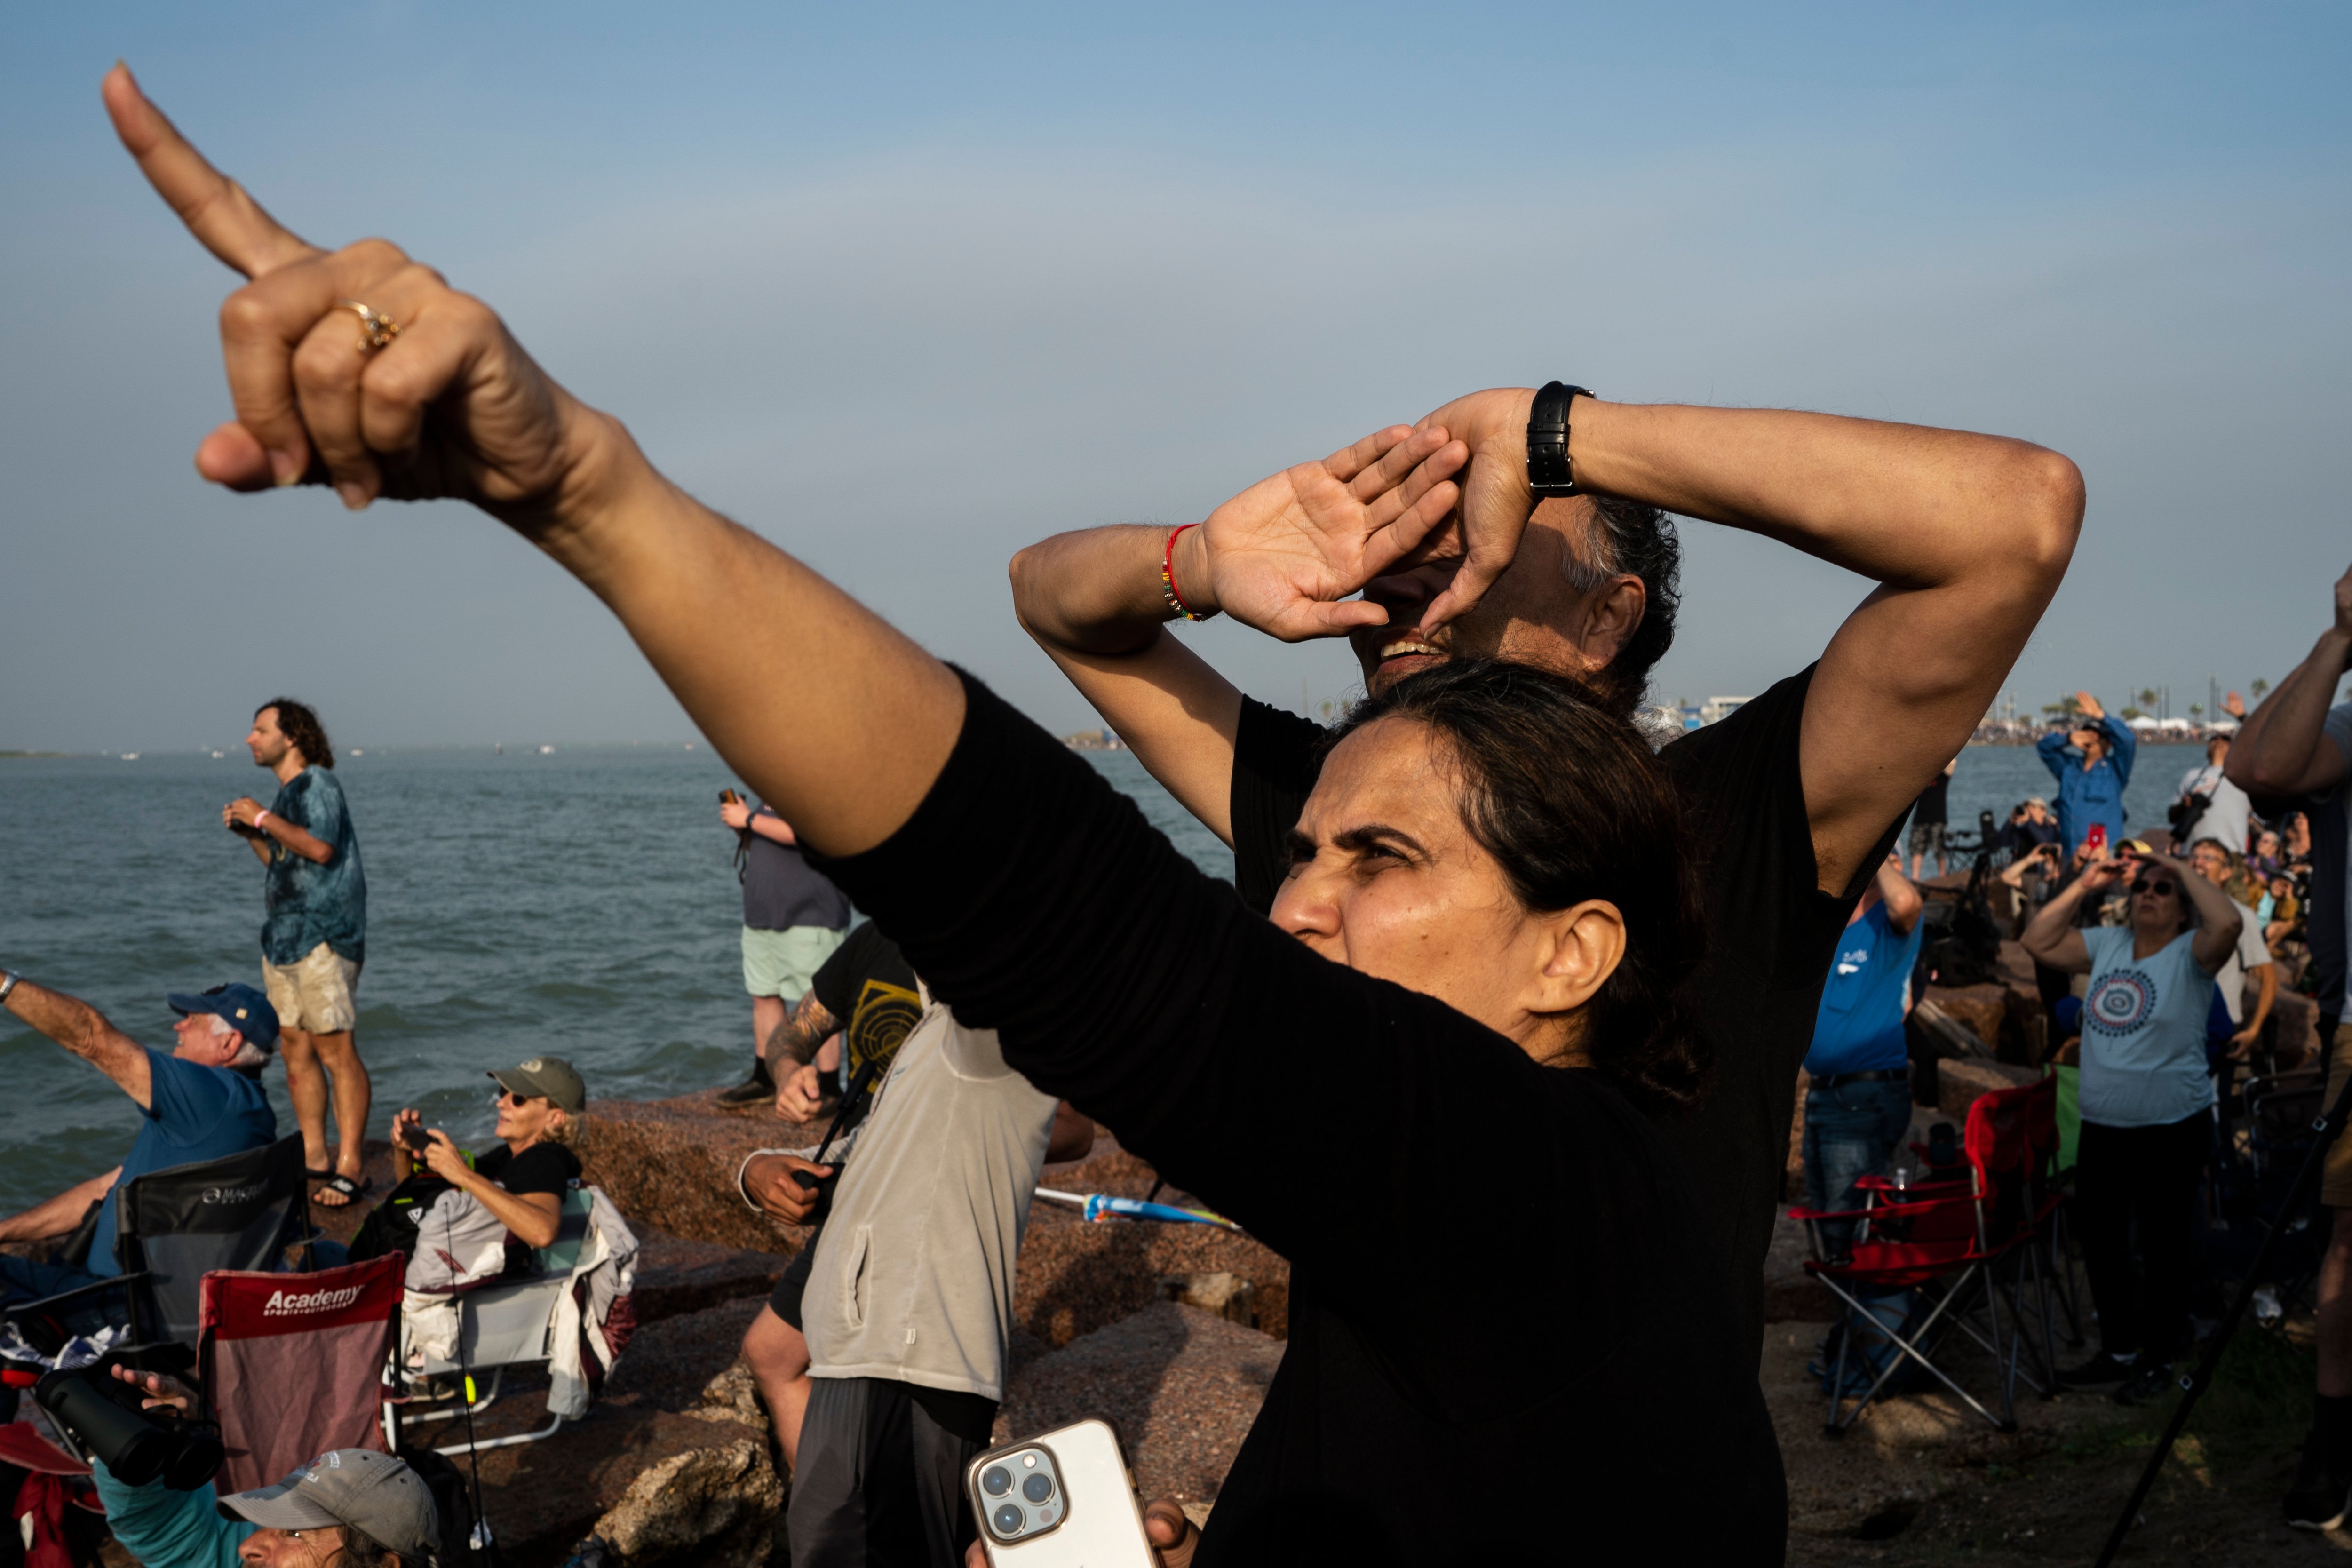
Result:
x=314 y=994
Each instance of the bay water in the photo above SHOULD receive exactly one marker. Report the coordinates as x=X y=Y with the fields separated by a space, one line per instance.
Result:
x=581 y=903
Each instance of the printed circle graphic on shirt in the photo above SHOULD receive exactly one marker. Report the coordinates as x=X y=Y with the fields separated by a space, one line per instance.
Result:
x=2120 y=1003
x=880 y=1023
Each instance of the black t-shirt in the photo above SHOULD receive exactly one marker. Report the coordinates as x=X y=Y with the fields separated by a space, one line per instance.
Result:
x=1771 y=935
x=541 y=1168
x=1929 y=807
x=870 y=989
x=1560 y=1365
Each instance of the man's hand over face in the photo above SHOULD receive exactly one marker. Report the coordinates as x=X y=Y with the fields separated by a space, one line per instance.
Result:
x=1496 y=499
x=1282 y=555
x=450 y=407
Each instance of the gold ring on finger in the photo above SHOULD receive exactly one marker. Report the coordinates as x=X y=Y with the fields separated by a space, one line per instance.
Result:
x=379 y=328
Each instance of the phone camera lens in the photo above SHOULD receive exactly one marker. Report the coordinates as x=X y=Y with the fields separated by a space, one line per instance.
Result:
x=1037 y=1488
x=1008 y=1519
x=996 y=1480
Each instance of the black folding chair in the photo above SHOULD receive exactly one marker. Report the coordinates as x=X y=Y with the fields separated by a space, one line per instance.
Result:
x=172 y=1227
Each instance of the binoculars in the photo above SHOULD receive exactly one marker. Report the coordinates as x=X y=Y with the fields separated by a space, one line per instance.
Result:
x=103 y=1414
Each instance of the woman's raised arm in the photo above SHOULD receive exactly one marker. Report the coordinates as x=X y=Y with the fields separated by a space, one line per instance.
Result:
x=842 y=723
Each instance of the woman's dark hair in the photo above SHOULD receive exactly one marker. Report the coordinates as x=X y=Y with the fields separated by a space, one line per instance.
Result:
x=1571 y=804
x=299 y=722
x=1628 y=537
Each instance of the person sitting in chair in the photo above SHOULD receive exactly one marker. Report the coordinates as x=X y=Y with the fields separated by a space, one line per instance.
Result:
x=202 y=1101
x=352 y=1508
x=541 y=1120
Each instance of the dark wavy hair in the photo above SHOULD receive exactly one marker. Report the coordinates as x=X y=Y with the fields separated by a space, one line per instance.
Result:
x=299 y=722
x=1571 y=804
x=1627 y=536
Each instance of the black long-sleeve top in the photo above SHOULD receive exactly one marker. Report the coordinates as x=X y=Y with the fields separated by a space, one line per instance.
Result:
x=1511 y=1336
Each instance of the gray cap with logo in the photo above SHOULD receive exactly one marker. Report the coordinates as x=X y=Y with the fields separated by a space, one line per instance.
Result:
x=553 y=1077
x=367 y=1491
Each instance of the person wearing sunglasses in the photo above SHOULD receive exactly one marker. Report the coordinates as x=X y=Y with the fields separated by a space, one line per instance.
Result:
x=2146 y=1099
x=541 y=1118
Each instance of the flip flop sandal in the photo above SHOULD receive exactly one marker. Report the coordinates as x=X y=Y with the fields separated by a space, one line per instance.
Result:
x=342 y=1186
x=318 y=1175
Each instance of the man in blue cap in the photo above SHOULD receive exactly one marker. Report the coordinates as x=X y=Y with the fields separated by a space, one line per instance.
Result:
x=201 y=1101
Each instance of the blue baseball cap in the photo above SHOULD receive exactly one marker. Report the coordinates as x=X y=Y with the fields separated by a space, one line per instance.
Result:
x=242 y=1007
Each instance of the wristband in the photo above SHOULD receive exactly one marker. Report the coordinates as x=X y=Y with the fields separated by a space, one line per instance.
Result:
x=1549 y=472
x=258 y=818
x=1168 y=590
x=8 y=978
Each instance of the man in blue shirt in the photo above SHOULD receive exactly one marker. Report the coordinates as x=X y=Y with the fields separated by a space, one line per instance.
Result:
x=2092 y=764
x=200 y=1102
x=313 y=935
x=1858 y=1102
x=1858 y=1099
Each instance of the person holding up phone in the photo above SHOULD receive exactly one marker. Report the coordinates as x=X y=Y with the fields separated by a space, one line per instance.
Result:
x=542 y=1124
x=2146 y=1100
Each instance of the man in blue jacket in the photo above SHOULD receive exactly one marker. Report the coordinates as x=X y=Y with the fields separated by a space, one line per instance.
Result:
x=2092 y=764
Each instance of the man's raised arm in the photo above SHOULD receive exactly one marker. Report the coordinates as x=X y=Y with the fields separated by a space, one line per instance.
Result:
x=1277 y=557
x=1966 y=536
x=83 y=1030
x=2283 y=750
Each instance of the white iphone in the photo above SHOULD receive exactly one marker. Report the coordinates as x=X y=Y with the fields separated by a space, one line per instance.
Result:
x=1063 y=1499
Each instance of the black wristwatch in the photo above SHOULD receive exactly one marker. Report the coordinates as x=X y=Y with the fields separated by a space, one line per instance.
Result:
x=1548 y=474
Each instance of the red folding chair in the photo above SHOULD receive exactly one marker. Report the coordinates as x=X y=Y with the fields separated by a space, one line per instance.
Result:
x=1968 y=1248
x=293 y=1364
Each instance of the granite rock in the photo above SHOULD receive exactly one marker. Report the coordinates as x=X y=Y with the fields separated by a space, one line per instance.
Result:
x=1183 y=1387
x=714 y=1506
x=1981 y=1008
x=544 y=1498
x=1959 y=1083
x=671 y=1163
x=1220 y=1294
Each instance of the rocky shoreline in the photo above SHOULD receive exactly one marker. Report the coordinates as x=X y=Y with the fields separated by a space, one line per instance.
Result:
x=1172 y=1331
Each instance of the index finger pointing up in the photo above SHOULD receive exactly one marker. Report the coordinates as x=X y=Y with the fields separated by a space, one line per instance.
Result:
x=217 y=209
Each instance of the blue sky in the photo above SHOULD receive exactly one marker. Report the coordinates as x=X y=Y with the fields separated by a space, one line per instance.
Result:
x=906 y=288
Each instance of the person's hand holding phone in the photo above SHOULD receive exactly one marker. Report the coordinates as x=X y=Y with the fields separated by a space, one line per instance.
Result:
x=785 y=1186
x=734 y=811
x=1173 y=1538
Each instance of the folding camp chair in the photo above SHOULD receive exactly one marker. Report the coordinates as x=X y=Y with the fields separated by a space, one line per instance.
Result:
x=293 y=1364
x=509 y=1324
x=246 y=1211
x=1968 y=1249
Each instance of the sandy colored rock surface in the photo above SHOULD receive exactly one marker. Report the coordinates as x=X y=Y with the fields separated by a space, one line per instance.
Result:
x=715 y=1507
x=543 y=1498
x=1980 y=1007
x=1182 y=1386
x=671 y=1163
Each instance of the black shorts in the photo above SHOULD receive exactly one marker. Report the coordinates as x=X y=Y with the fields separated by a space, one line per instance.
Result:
x=784 y=1300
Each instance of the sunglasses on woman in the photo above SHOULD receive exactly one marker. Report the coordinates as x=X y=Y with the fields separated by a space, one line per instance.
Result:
x=2162 y=887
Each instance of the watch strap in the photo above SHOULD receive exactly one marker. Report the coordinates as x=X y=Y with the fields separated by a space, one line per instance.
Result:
x=1549 y=471
x=8 y=978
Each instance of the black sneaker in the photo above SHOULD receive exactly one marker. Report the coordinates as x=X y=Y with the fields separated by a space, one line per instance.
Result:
x=2100 y=1368
x=2322 y=1487
x=756 y=1090
x=2150 y=1380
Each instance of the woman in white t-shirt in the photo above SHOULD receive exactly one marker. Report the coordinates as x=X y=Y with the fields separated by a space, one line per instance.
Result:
x=2146 y=1097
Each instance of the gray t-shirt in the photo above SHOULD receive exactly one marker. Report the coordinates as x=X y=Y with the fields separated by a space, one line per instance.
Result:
x=2252 y=952
x=913 y=1273
x=780 y=890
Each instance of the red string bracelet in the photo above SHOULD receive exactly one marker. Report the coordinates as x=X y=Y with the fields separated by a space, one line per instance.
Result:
x=1168 y=578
